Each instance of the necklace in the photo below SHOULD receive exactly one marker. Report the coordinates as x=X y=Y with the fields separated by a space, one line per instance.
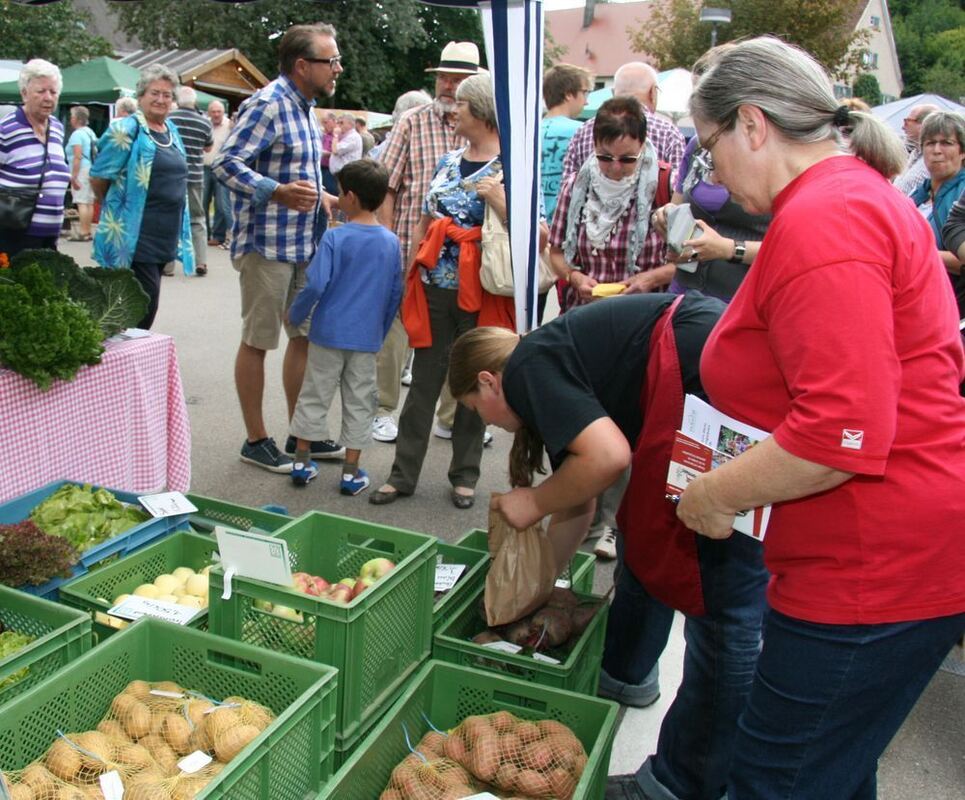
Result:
x=155 y=135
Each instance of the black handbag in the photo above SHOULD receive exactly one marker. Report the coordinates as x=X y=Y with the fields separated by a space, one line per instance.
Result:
x=17 y=204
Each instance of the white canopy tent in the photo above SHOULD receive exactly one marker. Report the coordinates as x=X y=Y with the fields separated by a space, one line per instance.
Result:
x=894 y=113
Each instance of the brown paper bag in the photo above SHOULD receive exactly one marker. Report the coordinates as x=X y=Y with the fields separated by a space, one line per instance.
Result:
x=522 y=574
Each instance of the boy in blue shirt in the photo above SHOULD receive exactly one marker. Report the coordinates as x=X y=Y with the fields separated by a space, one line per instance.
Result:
x=355 y=286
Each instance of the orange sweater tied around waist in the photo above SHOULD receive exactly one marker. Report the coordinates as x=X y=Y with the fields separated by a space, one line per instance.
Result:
x=492 y=309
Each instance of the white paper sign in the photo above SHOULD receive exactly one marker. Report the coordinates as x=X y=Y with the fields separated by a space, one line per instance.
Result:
x=111 y=786
x=545 y=659
x=563 y=583
x=164 y=693
x=135 y=607
x=447 y=575
x=483 y=796
x=167 y=504
x=198 y=760
x=252 y=555
x=503 y=647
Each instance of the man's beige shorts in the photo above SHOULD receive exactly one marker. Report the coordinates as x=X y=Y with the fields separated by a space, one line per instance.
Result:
x=267 y=290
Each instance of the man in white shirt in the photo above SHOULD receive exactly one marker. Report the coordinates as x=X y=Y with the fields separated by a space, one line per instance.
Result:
x=213 y=190
x=346 y=144
x=915 y=172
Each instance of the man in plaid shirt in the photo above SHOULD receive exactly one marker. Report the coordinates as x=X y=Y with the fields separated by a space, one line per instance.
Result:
x=418 y=142
x=271 y=161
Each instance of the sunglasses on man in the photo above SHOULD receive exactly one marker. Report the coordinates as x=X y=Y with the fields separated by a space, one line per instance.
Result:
x=605 y=158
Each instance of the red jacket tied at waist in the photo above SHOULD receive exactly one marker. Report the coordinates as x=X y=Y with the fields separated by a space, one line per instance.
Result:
x=492 y=309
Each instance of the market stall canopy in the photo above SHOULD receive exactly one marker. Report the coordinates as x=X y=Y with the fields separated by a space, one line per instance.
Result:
x=894 y=113
x=100 y=80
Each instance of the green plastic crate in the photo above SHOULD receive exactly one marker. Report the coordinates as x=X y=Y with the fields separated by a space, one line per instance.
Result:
x=182 y=549
x=61 y=635
x=447 y=694
x=477 y=564
x=579 y=672
x=290 y=760
x=376 y=641
x=213 y=512
x=579 y=573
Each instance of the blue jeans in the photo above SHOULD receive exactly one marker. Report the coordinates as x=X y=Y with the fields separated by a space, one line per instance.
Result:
x=696 y=742
x=826 y=701
x=219 y=193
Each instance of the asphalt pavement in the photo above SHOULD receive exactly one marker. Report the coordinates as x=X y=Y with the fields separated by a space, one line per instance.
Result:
x=926 y=760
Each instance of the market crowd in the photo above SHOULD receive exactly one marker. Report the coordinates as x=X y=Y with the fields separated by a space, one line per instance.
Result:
x=794 y=264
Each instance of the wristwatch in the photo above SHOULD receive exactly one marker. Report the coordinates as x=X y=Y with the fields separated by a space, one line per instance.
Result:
x=739 y=249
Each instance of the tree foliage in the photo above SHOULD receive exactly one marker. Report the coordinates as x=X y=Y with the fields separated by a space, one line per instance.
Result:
x=57 y=32
x=386 y=44
x=866 y=87
x=674 y=36
x=930 y=37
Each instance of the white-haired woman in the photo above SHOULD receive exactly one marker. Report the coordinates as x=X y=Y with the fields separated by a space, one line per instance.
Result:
x=81 y=147
x=32 y=161
x=843 y=342
x=141 y=173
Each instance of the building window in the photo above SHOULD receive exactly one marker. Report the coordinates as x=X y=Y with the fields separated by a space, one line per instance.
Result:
x=876 y=23
x=870 y=60
x=841 y=91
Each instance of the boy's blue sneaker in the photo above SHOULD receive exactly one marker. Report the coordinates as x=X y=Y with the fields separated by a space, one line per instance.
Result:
x=353 y=484
x=303 y=473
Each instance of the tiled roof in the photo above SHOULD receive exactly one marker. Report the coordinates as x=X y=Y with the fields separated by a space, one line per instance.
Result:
x=605 y=45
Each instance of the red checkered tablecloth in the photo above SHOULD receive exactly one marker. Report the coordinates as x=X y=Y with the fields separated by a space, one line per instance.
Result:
x=121 y=424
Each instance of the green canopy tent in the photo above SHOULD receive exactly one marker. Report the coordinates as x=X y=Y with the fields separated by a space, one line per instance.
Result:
x=100 y=80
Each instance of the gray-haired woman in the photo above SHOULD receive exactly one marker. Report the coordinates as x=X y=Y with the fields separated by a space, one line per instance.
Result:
x=843 y=342
x=141 y=172
x=32 y=157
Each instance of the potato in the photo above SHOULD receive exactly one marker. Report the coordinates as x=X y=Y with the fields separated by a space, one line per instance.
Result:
x=182 y=574
x=232 y=741
x=455 y=748
x=113 y=730
x=484 y=757
x=133 y=755
x=532 y=784
x=21 y=791
x=177 y=732
x=99 y=751
x=562 y=783
x=195 y=710
x=148 y=590
x=36 y=776
x=155 y=790
x=138 y=720
x=122 y=704
x=528 y=732
x=63 y=760
x=217 y=722
x=166 y=758
x=166 y=584
x=537 y=755
x=197 y=585
x=69 y=793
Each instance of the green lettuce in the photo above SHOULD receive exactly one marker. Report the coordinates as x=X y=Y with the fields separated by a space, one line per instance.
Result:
x=85 y=516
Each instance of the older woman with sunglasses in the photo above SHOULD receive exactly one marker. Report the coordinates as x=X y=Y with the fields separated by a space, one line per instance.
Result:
x=601 y=230
x=843 y=342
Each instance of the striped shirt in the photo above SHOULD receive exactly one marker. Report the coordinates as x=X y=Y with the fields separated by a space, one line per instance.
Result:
x=665 y=137
x=196 y=133
x=276 y=140
x=418 y=142
x=21 y=159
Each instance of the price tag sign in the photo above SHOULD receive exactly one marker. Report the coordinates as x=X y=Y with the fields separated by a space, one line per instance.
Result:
x=111 y=786
x=563 y=583
x=447 y=575
x=163 y=693
x=545 y=659
x=503 y=647
x=483 y=796
x=167 y=504
x=136 y=607
x=252 y=555
x=198 y=760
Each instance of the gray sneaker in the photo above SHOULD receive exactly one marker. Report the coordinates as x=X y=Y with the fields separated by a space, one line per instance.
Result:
x=265 y=454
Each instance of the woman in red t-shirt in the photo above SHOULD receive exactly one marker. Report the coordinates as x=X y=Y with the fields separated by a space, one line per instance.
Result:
x=842 y=341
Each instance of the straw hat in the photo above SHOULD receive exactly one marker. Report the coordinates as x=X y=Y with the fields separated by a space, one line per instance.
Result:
x=459 y=57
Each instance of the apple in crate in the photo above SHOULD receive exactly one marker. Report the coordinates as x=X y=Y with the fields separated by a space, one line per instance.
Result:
x=376 y=568
x=341 y=592
x=321 y=585
x=305 y=583
x=361 y=585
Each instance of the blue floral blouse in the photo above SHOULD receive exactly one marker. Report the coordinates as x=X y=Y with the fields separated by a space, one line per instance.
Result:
x=124 y=156
x=451 y=195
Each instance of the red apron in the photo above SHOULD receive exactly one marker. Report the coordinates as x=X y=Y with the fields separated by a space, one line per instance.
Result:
x=659 y=550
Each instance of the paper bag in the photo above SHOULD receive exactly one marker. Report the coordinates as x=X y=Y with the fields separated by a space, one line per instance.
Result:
x=522 y=574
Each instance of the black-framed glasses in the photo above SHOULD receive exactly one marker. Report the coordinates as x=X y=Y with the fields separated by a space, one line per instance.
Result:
x=334 y=61
x=606 y=158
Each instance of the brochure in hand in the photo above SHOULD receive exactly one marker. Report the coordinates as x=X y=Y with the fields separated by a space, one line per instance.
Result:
x=708 y=438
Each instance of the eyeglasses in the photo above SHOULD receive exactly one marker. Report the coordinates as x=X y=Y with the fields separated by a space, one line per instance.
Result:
x=605 y=158
x=334 y=61
x=715 y=136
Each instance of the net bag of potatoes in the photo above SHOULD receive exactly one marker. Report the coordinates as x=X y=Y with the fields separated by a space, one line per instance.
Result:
x=523 y=571
x=518 y=757
x=418 y=777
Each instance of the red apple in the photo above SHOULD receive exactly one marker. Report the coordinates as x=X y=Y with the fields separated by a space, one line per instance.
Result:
x=361 y=585
x=347 y=582
x=376 y=568
x=301 y=581
x=341 y=594
x=321 y=585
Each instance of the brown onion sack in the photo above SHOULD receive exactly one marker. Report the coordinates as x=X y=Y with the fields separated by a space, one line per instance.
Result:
x=523 y=571
x=541 y=759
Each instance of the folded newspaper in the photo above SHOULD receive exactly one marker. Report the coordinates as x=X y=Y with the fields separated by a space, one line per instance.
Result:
x=708 y=438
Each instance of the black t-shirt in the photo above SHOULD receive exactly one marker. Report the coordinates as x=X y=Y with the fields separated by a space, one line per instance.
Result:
x=591 y=362
x=157 y=242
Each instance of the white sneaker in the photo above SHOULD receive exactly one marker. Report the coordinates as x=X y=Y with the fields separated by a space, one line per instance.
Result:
x=441 y=431
x=384 y=429
x=487 y=438
x=407 y=377
x=606 y=547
